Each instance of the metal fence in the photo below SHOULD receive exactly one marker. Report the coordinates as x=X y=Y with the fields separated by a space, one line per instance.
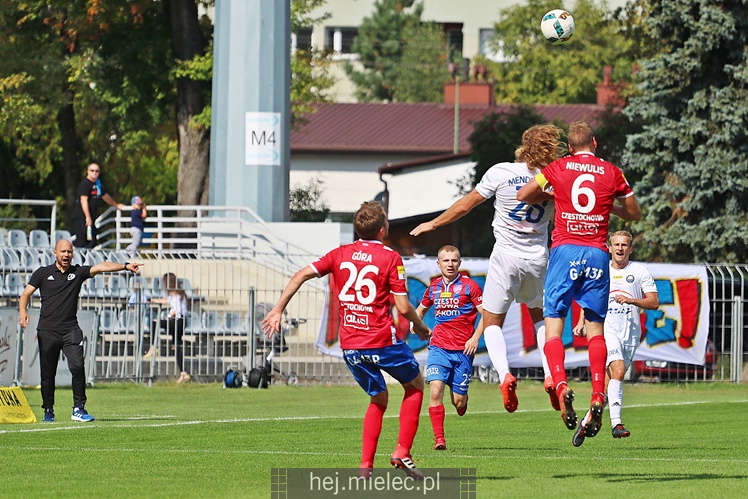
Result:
x=229 y=292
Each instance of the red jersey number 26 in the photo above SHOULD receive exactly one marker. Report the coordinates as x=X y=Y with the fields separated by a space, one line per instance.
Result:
x=353 y=289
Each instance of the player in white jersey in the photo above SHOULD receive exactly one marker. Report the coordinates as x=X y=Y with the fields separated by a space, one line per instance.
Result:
x=631 y=289
x=517 y=265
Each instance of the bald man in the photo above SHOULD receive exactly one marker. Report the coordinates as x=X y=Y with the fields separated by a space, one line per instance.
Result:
x=58 y=329
x=89 y=196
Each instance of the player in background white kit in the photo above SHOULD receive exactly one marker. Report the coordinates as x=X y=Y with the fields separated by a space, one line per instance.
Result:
x=631 y=289
x=518 y=262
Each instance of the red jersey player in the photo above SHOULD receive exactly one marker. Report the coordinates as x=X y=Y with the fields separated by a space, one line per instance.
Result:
x=364 y=275
x=458 y=300
x=585 y=188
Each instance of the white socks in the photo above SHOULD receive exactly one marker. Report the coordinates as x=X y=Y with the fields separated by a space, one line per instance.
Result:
x=496 y=347
x=540 y=338
x=615 y=401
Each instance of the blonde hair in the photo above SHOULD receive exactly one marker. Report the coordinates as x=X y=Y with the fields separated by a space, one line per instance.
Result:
x=540 y=146
x=580 y=135
x=622 y=233
x=369 y=218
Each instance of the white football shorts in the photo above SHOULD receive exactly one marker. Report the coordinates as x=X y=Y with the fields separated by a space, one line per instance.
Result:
x=511 y=278
x=617 y=350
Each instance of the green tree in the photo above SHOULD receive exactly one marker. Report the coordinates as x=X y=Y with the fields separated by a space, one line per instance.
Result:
x=539 y=72
x=78 y=79
x=307 y=202
x=692 y=154
x=379 y=44
x=424 y=61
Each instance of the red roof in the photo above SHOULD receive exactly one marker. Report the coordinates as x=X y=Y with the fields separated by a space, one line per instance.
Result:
x=409 y=128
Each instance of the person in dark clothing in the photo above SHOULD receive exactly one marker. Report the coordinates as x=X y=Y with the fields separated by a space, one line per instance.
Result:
x=58 y=329
x=87 y=200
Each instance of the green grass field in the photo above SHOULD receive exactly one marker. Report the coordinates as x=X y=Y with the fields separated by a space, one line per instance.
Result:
x=203 y=441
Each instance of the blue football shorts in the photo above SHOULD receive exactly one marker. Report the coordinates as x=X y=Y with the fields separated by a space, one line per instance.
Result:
x=367 y=365
x=452 y=367
x=579 y=273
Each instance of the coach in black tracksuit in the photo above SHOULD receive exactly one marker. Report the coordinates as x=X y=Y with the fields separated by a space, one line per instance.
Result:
x=58 y=329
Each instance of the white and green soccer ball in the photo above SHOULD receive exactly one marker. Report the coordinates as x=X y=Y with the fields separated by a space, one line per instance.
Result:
x=557 y=26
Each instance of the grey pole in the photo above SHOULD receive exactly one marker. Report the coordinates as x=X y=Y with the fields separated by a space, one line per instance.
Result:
x=251 y=107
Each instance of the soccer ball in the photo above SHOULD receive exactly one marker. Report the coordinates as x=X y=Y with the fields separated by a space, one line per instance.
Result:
x=557 y=26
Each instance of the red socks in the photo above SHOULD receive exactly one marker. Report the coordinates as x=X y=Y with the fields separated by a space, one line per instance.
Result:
x=555 y=354
x=436 y=413
x=372 y=429
x=410 y=410
x=598 y=354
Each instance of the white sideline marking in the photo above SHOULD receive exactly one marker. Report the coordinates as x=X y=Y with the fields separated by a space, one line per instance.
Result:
x=98 y=424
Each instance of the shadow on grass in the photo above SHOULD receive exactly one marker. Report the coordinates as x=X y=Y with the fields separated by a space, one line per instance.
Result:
x=657 y=477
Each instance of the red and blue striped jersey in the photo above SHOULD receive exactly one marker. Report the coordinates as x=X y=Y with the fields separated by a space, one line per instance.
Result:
x=455 y=310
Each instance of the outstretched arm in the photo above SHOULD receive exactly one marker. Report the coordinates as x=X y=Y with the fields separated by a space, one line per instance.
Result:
x=459 y=209
x=115 y=267
x=271 y=322
x=111 y=202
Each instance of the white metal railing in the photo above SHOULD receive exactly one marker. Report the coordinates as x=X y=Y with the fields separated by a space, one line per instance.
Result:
x=203 y=228
x=35 y=202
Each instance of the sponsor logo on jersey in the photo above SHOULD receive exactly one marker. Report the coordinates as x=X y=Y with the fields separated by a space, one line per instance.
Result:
x=400 y=272
x=50 y=278
x=361 y=256
x=445 y=294
x=355 y=320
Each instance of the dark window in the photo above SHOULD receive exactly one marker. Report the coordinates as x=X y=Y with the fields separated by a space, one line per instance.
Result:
x=453 y=35
x=304 y=39
x=346 y=39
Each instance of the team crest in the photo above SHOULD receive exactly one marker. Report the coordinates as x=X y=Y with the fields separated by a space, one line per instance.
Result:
x=457 y=289
x=71 y=277
x=629 y=279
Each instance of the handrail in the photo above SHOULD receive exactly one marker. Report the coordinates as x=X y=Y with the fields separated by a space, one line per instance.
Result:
x=37 y=202
x=208 y=228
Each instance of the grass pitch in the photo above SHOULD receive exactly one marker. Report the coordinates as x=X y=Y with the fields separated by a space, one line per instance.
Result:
x=204 y=441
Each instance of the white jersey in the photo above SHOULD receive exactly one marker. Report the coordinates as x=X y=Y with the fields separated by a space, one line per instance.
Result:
x=623 y=321
x=520 y=229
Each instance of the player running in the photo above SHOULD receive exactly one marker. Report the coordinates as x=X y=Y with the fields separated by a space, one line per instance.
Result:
x=364 y=275
x=457 y=300
x=517 y=266
x=631 y=289
x=585 y=188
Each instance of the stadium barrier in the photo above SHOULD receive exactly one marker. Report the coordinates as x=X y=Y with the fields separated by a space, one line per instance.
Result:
x=231 y=285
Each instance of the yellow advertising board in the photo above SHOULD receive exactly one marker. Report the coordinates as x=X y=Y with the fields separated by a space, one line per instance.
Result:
x=14 y=408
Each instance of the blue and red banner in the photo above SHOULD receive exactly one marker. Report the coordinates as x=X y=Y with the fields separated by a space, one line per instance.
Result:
x=676 y=332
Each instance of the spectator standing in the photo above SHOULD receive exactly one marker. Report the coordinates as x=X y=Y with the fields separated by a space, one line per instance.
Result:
x=137 y=224
x=87 y=200
x=173 y=323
